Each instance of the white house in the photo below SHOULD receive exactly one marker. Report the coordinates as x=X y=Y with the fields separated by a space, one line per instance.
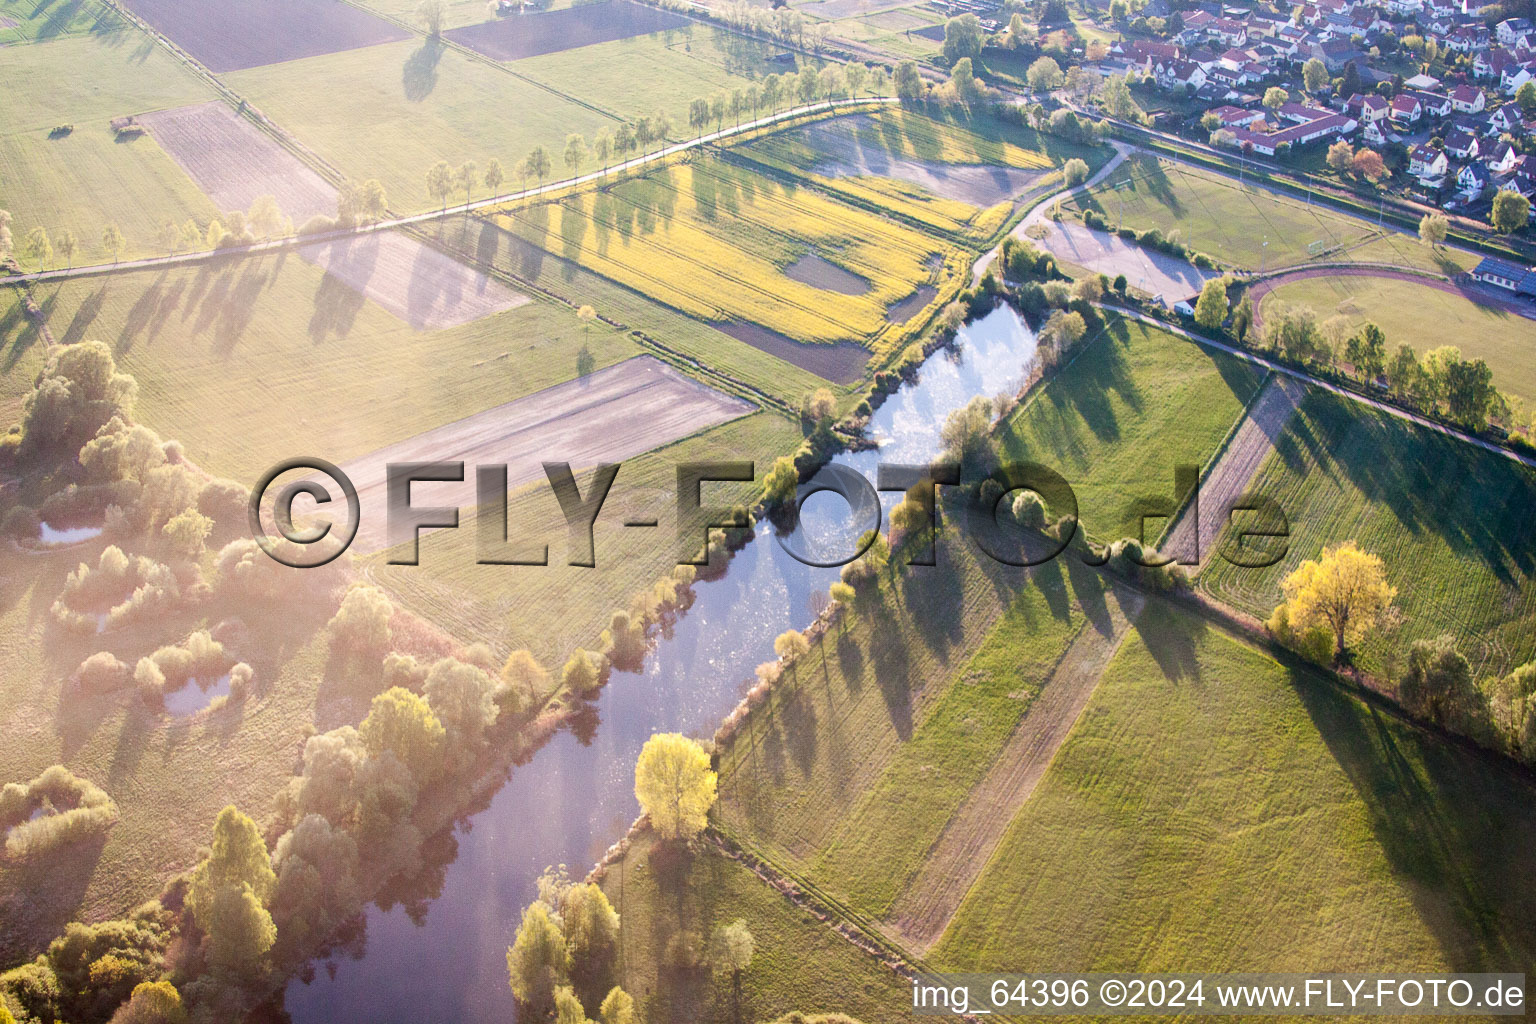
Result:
x=1512 y=30
x=1428 y=165
x=1471 y=180
x=1468 y=99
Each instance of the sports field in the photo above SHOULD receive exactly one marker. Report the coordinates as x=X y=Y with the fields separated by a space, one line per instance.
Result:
x=1295 y=826
x=80 y=181
x=1425 y=317
x=1444 y=517
x=1244 y=226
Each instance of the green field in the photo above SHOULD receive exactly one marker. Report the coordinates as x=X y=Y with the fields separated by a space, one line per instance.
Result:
x=1448 y=519
x=1131 y=406
x=41 y=20
x=552 y=609
x=1214 y=810
x=635 y=77
x=81 y=181
x=233 y=358
x=800 y=963
x=1426 y=318
x=856 y=769
x=1244 y=226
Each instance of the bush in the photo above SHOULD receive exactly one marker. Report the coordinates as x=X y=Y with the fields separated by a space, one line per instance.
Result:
x=79 y=809
x=101 y=673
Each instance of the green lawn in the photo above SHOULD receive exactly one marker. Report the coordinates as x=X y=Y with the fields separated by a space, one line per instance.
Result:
x=251 y=360
x=1241 y=225
x=1214 y=810
x=41 y=20
x=1427 y=318
x=81 y=181
x=1449 y=520
x=800 y=963
x=1132 y=405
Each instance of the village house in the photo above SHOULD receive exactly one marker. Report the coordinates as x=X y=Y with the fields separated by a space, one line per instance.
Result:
x=1461 y=144
x=1468 y=99
x=1406 y=109
x=1471 y=180
x=1428 y=165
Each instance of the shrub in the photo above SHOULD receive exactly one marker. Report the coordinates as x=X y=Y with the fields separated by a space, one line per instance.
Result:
x=79 y=809
x=101 y=673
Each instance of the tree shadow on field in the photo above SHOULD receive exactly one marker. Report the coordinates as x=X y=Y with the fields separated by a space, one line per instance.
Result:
x=419 y=76
x=1454 y=824
x=84 y=316
x=1173 y=638
x=41 y=896
x=336 y=307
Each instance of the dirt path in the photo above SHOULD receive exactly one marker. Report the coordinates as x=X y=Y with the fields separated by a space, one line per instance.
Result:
x=922 y=913
x=1250 y=445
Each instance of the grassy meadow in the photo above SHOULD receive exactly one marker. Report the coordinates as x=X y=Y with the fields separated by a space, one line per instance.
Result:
x=1129 y=407
x=552 y=609
x=1426 y=318
x=713 y=240
x=1245 y=226
x=1448 y=519
x=80 y=181
x=24 y=21
x=855 y=770
x=225 y=352
x=799 y=963
x=1215 y=810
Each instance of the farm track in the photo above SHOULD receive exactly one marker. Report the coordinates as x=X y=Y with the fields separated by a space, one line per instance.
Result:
x=921 y=914
x=1248 y=447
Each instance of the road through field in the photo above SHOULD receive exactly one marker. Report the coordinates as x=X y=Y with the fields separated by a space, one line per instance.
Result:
x=922 y=913
x=1249 y=446
x=608 y=416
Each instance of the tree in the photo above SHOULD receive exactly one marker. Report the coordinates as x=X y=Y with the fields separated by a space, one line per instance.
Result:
x=1438 y=679
x=591 y=930
x=440 y=182
x=1470 y=396
x=963 y=77
x=602 y=143
x=807 y=83
x=1340 y=154
x=538 y=959
x=1510 y=212
x=1345 y=589
x=67 y=246
x=909 y=84
x=229 y=892
x=39 y=248
x=855 y=74
x=265 y=217
x=623 y=141
x=403 y=724
x=1368 y=164
x=152 y=1002
x=168 y=237
x=781 y=483
x=186 y=532
x=790 y=646
x=5 y=233
x=1114 y=95
x=430 y=13
x=465 y=178
x=1211 y=307
x=1526 y=97
x=1433 y=228
x=575 y=153
x=1351 y=84
x=112 y=240
x=538 y=163
x=1366 y=351
x=962 y=37
x=1275 y=98
x=494 y=175
x=1314 y=75
x=675 y=785
x=731 y=952
x=568 y=1008
x=698 y=115
x=360 y=626
x=771 y=93
x=618 y=1007
x=462 y=697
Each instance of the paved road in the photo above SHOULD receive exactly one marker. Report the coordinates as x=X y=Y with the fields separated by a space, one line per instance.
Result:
x=462 y=208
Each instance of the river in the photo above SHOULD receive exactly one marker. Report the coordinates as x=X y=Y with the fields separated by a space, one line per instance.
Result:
x=574 y=798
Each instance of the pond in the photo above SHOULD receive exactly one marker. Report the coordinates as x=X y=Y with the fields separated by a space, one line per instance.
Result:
x=576 y=796
x=196 y=694
x=51 y=535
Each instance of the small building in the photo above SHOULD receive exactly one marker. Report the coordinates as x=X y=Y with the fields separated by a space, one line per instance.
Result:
x=1500 y=273
x=1468 y=99
x=1429 y=165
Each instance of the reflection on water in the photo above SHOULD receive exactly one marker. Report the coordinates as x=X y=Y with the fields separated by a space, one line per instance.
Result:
x=69 y=535
x=576 y=796
x=196 y=694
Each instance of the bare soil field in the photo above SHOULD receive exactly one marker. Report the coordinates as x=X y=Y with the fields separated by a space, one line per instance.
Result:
x=1245 y=453
x=850 y=156
x=834 y=10
x=922 y=913
x=231 y=35
x=819 y=272
x=613 y=414
x=234 y=163
x=415 y=282
x=905 y=309
x=530 y=35
x=1104 y=253
x=840 y=363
